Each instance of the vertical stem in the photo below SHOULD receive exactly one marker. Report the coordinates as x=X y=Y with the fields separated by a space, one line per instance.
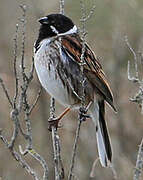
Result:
x=55 y=139
x=62 y=3
x=139 y=163
x=74 y=151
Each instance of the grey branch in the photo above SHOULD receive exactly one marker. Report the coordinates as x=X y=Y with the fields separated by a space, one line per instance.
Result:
x=83 y=110
x=20 y=104
x=74 y=151
x=18 y=158
x=135 y=57
x=6 y=92
x=62 y=4
x=138 y=98
x=139 y=163
x=14 y=66
x=59 y=169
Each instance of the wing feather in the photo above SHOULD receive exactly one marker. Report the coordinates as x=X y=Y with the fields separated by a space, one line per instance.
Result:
x=92 y=68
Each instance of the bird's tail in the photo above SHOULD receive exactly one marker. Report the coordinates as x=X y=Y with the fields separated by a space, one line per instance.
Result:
x=103 y=140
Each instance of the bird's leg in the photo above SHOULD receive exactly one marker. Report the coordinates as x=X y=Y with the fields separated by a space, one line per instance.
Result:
x=55 y=121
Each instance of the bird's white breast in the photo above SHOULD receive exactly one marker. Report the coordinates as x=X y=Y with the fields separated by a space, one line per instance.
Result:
x=47 y=76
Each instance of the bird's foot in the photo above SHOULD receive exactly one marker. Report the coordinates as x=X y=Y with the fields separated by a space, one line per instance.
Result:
x=83 y=114
x=54 y=122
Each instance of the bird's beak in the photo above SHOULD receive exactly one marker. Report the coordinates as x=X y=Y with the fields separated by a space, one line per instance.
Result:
x=43 y=20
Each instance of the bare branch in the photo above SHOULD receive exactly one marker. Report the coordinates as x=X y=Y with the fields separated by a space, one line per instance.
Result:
x=135 y=61
x=138 y=98
x=18 y=158
x=139 y=163
x=14 y=117
x=84 y=16
x=74 y=150
x=36 y=100
x=59 y=170
x=83 y=110
x=6 y=92
x=14 y=64
x=62 y=4
x=133 y=79
x=23 y=20
x=92 y=173
x=39 y=158
x=19 y=104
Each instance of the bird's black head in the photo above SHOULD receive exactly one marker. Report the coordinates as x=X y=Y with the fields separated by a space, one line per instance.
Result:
x=55 y=24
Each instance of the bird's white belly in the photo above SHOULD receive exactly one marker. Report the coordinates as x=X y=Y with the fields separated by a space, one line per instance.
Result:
x=53 y=85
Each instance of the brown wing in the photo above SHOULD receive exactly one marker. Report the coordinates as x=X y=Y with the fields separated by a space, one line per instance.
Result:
x=92 y=68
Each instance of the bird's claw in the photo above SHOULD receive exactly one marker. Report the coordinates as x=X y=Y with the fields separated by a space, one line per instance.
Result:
x=82 y=114
x=54 y=122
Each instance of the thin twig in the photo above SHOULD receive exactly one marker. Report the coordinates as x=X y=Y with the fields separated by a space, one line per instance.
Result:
x=39 y=158
x=59 y=170
x=23 y=20
x=139 y=163
x=6 y=92
x=136 y=78
x=18 y=158
x=92 y=173
x=36 y=100
x=14 y=117
x=14 y=64
x=138 y=98
x=22 y=105
x=62 y=4
x=83 y=109
x=86 y=17
x=74 y=150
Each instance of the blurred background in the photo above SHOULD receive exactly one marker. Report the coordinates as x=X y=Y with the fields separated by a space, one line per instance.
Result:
x=112 y=20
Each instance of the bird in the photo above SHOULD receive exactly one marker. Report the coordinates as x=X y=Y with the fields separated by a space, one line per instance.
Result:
x=57 y=60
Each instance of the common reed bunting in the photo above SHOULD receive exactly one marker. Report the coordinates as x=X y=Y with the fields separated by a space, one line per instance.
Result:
x=57 y=61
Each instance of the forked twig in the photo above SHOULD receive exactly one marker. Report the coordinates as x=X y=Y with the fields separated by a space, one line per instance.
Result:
x=20 y=104
x=138 y=98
